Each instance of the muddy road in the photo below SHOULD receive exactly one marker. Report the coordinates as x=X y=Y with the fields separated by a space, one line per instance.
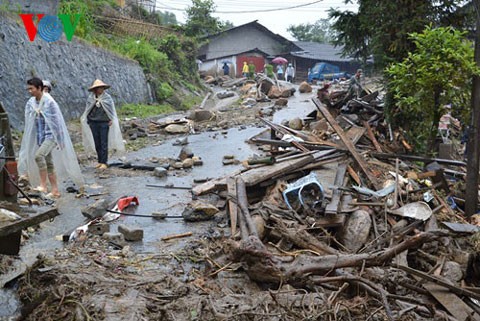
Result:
x=211 y=146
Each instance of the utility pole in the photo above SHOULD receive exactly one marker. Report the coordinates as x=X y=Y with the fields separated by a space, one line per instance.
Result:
x=473 y=143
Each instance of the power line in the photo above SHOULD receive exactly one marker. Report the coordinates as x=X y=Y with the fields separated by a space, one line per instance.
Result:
x=248 y=11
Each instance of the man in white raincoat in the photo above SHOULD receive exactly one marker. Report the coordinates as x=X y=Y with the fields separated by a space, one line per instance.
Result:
x=46 y=149
x=100 y=127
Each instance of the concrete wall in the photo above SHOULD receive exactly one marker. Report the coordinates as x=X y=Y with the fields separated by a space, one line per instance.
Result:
x=32 y=6
x=70 y=66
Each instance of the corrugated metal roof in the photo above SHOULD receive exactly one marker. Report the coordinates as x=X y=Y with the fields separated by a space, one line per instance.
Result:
x=319 y=51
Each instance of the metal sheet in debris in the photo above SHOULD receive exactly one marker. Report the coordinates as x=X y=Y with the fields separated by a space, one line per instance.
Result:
x=417 y=210
x=462 y=228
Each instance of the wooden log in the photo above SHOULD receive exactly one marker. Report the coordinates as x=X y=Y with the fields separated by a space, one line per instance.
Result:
x=232 y=205
x=266 y=268
x=243 y=206
x=351 y=148
x=371 y=136
x=176 y=236
x=301 y=238
x=37 y=218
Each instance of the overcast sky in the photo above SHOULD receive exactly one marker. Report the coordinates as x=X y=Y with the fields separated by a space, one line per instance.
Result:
x=265 y=11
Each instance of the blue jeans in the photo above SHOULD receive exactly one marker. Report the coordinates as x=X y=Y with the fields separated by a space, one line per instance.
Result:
x=100 y=137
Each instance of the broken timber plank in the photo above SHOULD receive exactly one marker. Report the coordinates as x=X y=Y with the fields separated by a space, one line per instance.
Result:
x=419 y=158
x=257 y=175
x=332 y=207
x=372 y=137
x=12 y=227
x=232 y=205
x=454 y=305
x=454 y=289
x=355 y=133
x=351 y=148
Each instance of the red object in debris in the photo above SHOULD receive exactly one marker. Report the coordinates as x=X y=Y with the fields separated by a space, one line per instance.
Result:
x=126 y=202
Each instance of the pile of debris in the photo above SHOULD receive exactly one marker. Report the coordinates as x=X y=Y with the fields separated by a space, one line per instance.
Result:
x=334 y=209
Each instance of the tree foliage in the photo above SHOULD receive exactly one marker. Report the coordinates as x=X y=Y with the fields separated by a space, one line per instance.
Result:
x=380 y=28
x=320 y=31
x=200 y=21
x=437 y=72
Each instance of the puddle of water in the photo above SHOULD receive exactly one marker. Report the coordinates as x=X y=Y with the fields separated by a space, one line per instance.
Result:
x=9 y=305
x=299 y=105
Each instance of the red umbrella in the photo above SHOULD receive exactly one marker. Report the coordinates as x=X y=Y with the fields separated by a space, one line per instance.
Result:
x=279 y=60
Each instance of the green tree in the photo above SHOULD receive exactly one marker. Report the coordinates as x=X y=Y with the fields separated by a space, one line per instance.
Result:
x=380 y=28
x=200 y=21
x=320 y=31
x=437 y=72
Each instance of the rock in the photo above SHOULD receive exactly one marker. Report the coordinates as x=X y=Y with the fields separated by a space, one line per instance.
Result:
x=160 y=172
x=295 y=123
x=354 y=234
x=201 y=115
x=225 y=94
x=131 y=233
x=287 y=93
x=224 y=123
x=99 y=228
x=197 y=161
x=319 y=126
x=199 y=211
x=249 y=102
x=281 y=102
x=159 y=216
x=187 y=163
x=452 y=271
x=165 y=165
x=274 y=93
x=259 y=223
x=96 y=209
x=185 y=152
x=178 y=165
x=228 y=161
x=181 y=141
x=267 y=111
x=228 y=156
x=177 y=129
x=305 y=88
x=115 y=238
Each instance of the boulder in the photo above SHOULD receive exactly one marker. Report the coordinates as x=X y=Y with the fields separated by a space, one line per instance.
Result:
x=199 y=211
x=287 y=92
x=305 y=88
x=185 y=152
x=160 y=172
x=131 y=233
x=97 y=209
x=274 y=93
x=187 y=163
x=319 y=126
x=295 y=123
x=281 y=102
x=177 y=129
x=354 y=233
x=201 y=115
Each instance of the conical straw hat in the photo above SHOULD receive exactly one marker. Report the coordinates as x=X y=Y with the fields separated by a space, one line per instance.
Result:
x=98 y=83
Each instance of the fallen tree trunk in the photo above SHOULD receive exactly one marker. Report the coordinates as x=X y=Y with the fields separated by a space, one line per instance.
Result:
x=262 y=266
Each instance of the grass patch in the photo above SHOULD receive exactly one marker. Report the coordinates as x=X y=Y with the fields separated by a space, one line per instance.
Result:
x=143 y=111
x=134 y=145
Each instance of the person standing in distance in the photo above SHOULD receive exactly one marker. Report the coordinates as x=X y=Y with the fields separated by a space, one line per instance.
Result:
x=100 y=127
